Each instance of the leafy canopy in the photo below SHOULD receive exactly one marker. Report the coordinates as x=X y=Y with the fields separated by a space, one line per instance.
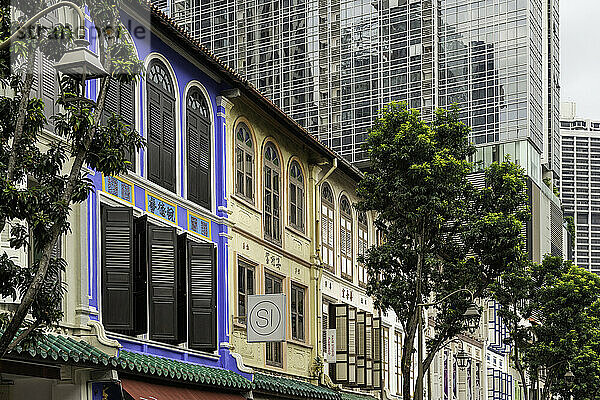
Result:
x=42 y=161
x=440 y=231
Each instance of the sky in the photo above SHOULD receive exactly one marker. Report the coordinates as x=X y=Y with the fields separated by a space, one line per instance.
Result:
x=580 y=55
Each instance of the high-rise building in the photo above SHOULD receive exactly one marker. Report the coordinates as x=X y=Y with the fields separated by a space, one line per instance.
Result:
x=580 y=183
x=332 y=64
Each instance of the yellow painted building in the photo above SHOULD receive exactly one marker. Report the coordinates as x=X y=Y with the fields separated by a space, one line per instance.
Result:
x=273 y=166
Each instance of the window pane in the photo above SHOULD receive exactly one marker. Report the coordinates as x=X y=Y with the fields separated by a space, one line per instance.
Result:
x=250 y=284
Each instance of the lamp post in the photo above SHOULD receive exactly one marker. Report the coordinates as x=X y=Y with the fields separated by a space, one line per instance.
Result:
x=471 y=314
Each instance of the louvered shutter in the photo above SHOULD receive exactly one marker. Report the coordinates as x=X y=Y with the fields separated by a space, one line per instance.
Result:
x=204 y=170
x=377 y=361
x=338 y=320
x=351 y=346
x=162 y=282
x=202 y=299
x=155 y=135
x=127 y=112
x=368 y=350
x=168 y=145
x=360 y=348
x=117 y=266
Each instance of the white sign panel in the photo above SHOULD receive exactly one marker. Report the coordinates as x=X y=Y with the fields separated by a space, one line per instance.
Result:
x=266 y=318
x=330 y=345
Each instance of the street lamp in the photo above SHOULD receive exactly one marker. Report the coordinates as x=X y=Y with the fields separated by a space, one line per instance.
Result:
x=462 y=359
x=569 y=376
x=471 y=314
x=81 y=64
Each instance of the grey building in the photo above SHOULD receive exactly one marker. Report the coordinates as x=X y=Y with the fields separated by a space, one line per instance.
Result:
x=580 y=184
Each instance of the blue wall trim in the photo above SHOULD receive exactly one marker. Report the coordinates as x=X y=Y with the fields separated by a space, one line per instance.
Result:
x=184 y=72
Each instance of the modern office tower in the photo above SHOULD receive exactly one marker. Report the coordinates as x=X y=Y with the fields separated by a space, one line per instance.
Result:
x=332 y=64
x=580 y=183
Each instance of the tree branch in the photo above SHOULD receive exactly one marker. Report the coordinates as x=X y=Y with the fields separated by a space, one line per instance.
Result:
x=23 y=335
x=19 y=316
x=20 y=122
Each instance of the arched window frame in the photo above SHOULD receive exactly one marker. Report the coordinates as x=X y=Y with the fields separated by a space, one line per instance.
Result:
x=244 y=162
x=165 y=175
x=363 y=245
x=272 y=193
x=327 y=227
x=346 y=238
x=198 y=145
x=296 y=196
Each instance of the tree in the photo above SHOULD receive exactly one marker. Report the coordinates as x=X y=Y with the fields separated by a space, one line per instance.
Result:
x=441 y=233
x=562 y=303
x=36 y=213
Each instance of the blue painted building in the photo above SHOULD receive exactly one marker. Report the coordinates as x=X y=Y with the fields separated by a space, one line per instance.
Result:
x=158 y=235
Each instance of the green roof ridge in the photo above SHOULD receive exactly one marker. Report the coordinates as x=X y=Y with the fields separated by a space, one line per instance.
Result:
x=161 y=366
x=294 y=387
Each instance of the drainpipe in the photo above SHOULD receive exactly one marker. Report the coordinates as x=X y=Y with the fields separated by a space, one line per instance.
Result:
x=317 y=254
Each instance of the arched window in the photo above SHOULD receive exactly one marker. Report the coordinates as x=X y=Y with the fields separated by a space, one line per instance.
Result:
x=346 y=237
x=244 y=163
x=363 y=245
x=197 y=126
x=271 y=200
x=161 y=126
x=327 y=228
x=296 y=196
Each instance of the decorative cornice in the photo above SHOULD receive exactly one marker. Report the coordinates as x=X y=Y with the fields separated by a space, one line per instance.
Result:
x=239 y=360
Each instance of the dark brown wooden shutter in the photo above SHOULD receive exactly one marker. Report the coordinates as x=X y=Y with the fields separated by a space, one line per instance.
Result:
x=155 y=135
x=198 y=157
x=377 y=362
x=168 y=150
x=140 y=275
x=117 y=267
x=120 y=100
x=202 y=296
x=162 y=282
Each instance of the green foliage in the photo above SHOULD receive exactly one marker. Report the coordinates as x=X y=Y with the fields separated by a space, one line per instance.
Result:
x=42 y=176
x=562 y=302
x=571 y=228
x=441 y=233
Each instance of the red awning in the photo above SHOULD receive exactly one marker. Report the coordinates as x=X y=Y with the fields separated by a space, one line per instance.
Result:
x=149 y=391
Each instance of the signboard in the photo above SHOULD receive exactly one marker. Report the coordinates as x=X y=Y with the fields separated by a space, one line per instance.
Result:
x=330 y=346
x=266 y=318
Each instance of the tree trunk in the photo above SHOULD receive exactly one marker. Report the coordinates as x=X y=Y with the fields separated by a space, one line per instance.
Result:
x=408 y=347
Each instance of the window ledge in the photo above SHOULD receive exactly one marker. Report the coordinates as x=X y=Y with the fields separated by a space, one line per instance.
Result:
x=245 y=203
x=239 y=326
x=297 y=233
x=300 y=343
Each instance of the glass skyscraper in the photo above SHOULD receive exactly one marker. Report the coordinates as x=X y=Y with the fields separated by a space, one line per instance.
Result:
x=332 y=64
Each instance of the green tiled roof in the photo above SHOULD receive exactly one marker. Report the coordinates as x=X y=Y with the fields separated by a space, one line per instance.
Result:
x=292 y=387
x=165 y=367
x=356 y=396
x=69 y=350
x=55 y=347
